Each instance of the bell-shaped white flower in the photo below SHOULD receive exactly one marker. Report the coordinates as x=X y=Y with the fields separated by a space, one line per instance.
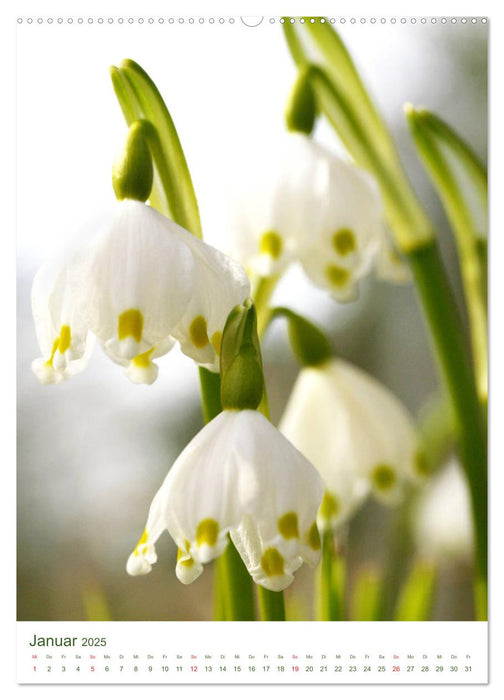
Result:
x=318 y=209
x=283 y=207
x=140 y=284
x=238 y=476
x=442 y=523
x=357 y=434
x=61 y=319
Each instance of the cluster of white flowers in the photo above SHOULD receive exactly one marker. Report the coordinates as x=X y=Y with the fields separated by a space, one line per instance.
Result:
x=320 y=210
x=138 y=283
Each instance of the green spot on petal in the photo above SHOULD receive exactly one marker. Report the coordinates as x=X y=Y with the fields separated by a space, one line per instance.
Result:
x=314 y=537
x=198 y=332
x=384 y=477
x=421 y=463
x=207 y=532
x=189 y=561
x=271 y=244
x=288 y=526
x=344 y=241
x=216 y=340
x=272 y=562
x=329 y=507
x=337 y=276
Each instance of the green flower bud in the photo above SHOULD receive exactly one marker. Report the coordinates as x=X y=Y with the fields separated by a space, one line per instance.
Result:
x=242 y=382
x=133 y=173
x=301 y=107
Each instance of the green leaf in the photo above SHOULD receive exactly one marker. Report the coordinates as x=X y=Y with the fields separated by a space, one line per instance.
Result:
x=366 y=594
x=172 y=192
x=460 y=181
x=417 y=595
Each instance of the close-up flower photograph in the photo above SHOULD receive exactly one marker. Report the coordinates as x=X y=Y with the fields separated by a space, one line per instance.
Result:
x=252 y=379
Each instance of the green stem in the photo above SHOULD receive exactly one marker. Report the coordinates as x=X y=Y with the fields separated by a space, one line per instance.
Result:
x=271 y=605
x=262 y=291
x=330 y=595
x=233 y=585
x=239 y=594
x=455 y=365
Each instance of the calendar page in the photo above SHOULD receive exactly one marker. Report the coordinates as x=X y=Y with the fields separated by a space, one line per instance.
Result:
x=252 y=359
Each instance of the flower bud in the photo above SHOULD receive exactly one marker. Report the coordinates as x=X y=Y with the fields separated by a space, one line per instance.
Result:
x=133 y=173
x=301 y=109
x=242 y=382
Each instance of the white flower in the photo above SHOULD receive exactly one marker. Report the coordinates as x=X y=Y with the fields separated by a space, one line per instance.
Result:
x=356 y=433
x=317 y=209
x=442 y=516
x=138 y=283
x=238 y=476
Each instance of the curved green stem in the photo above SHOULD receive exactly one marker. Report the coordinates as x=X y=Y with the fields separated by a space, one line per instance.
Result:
x=262 y=291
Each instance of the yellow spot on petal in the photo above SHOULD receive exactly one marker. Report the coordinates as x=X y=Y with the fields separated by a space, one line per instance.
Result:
x=198 y=332
x=186 y=562
x=344 y=241
x=271 y=244
x=143 y=539
x=65 y=339
x=61 y=344
x=337 y=276
x=216 y=341
x=314 y=537
x=143 y=360
x=272 y=562
x=207 y=532
x=288 y=526
x=130 y=324
x=329 y=507
x=53 y=352
x=384 y=477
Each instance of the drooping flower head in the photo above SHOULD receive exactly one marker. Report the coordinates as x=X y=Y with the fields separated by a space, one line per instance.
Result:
x=238 y=476
x=317 y=209
x=357 y=434
x=138 y=282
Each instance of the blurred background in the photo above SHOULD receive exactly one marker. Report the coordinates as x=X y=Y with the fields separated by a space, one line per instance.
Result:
x=92 y=451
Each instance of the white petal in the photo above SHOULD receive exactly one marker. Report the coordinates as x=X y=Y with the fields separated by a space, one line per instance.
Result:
x=349 y=425
x=220 y=284
x=350 y=234
x=285 y=199
x=144 y=555
x=389 y=266
x=281 y=521
x=442 y=516
x=60 y=313
x=140 y=265
x=207 y=489
x=317 y=423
